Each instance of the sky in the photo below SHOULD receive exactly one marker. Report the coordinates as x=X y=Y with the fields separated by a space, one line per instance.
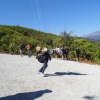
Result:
x=52 y=16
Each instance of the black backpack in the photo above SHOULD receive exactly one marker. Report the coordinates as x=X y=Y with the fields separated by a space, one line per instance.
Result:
x=41 y=58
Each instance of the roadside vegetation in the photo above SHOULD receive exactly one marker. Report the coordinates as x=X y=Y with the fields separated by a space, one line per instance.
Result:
x=90 y=49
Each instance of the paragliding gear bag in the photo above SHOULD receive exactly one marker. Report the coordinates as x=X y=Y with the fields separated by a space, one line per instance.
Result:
x=41 y=58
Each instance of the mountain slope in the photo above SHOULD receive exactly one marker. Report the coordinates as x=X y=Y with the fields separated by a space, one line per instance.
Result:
x=94 y=35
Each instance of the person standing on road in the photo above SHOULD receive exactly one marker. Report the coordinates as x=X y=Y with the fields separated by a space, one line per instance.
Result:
x=11 y=49
x=28 y=47
x=67 y=53
x=77 y=53
x=20 y=49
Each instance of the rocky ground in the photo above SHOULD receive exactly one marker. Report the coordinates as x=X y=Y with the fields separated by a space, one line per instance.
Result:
x=63 y=80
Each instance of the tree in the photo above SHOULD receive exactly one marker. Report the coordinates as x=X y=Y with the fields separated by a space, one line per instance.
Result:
x=66 y=38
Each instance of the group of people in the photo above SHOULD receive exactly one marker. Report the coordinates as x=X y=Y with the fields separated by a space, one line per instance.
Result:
x=61 y=51
x=28 y=47
x=64 y=53
x=58 y=51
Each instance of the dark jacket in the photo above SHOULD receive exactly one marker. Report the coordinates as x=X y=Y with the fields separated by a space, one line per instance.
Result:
x=77 y=51
x=44 y=55
x=47 y=55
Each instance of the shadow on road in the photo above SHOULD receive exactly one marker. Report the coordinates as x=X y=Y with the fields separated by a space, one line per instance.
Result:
x=26 y=96
x=63 y=73
x=90 y=97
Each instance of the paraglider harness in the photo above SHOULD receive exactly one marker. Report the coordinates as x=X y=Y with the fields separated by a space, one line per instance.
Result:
x=42 y=57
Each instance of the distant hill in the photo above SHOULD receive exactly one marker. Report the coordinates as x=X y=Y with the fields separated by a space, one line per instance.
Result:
x=94 y=35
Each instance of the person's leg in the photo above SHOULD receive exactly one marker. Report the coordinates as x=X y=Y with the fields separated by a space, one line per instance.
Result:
x=56 y=56
x=67 y=56
x=62 y=56
x=21 y=53
x=40 y=70
x=30 y=53
x=78 y=58
x=12 y=51
x=45 y=66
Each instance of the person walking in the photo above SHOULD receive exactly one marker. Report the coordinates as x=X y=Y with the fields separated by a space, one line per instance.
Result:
x=63 y=52
x=28 y=47
x=58 y=52
x=20 y=49
x=45 y=64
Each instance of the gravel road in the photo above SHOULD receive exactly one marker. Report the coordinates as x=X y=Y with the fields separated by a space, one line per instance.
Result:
x=64 y=80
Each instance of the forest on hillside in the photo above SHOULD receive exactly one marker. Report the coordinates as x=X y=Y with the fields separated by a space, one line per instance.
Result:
x=90 y=49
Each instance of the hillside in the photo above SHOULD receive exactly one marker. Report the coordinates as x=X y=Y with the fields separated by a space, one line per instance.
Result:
x=94 y=35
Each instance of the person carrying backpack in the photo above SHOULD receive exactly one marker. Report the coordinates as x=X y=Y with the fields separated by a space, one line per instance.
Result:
x=45 y=56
